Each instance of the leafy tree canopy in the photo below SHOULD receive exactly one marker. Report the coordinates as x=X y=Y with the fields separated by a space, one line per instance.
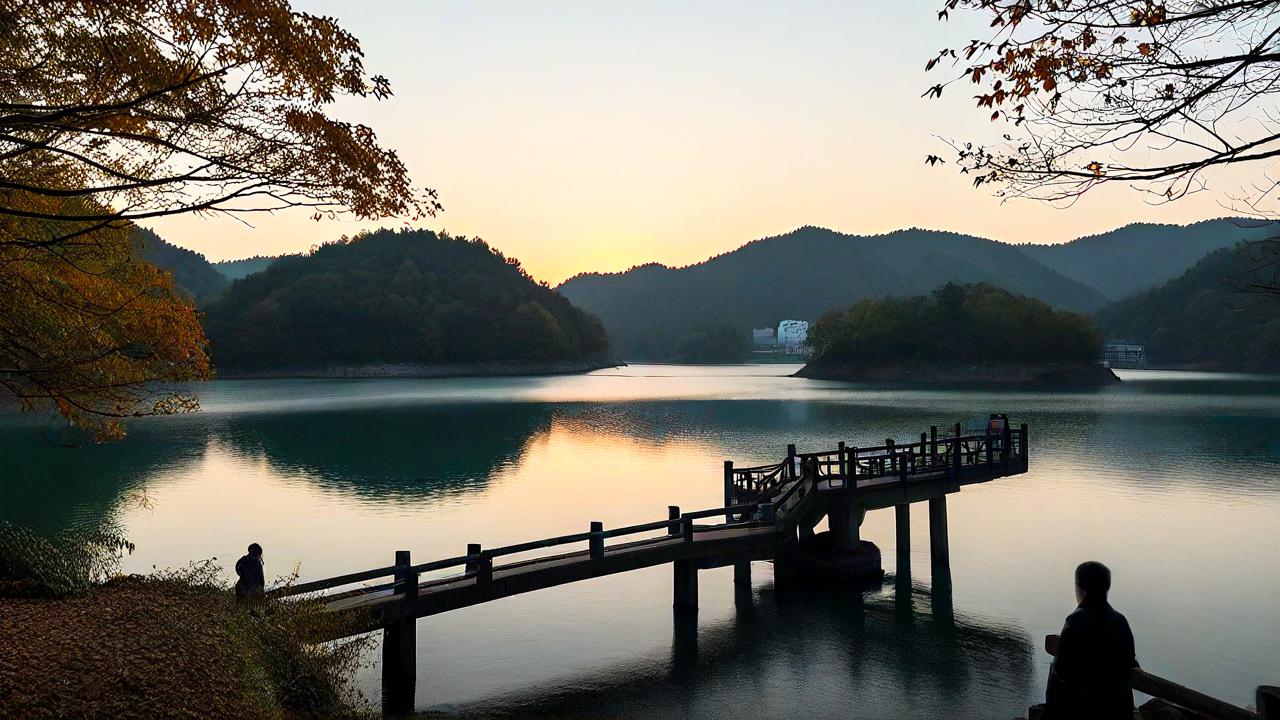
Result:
x=116 y=111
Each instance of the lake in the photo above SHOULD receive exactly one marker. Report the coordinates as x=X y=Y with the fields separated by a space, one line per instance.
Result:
x=1172 y=479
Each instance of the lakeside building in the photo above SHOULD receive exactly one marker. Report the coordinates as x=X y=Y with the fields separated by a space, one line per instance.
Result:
x=1124 y=354
x=792 y=336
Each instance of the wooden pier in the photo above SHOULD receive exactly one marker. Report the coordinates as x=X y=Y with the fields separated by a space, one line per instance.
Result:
x=768 y=510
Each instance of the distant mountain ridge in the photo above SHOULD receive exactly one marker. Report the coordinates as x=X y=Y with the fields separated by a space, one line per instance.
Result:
x=649 y=309
x=1141 y=256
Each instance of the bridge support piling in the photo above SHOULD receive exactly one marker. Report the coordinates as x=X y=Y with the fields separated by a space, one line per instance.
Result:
x=400 y=645
x=686 y=585
x=742 y=575
x=902 y=517
x=939 y=551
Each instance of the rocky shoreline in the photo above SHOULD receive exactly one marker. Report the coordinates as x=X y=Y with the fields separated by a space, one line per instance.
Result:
x=1084 y=375
x=423 y=370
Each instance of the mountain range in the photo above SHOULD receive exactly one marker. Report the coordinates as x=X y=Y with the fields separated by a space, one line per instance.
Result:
x=803 y=273
x=653 y=311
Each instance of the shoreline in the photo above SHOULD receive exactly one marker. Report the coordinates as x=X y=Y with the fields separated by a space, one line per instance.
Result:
x=422 y=370
x=1079 y=375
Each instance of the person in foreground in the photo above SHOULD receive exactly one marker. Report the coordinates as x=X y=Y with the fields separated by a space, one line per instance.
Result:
x=252 y=582
x=1092 y=674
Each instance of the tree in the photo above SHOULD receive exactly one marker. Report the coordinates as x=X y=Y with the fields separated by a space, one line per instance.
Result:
x=112 y=112
x=1140 y=92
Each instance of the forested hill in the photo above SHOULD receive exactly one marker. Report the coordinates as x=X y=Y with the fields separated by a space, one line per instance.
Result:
x=1142 y=256
x=648 y=310
x=1201 y=319
x=192 y=273
x=396 y=297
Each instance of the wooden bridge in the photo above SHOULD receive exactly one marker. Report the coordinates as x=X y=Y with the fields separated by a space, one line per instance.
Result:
x=767 y=511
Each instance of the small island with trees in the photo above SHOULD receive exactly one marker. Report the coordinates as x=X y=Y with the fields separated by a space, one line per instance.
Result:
x=958 y=333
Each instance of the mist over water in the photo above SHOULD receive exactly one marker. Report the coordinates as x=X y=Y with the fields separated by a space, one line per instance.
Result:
x=1172 y=479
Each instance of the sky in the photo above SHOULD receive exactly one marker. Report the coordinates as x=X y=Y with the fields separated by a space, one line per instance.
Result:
x=587 y=136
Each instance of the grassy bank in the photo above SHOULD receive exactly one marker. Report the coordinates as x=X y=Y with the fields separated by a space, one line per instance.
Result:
x=174 y=644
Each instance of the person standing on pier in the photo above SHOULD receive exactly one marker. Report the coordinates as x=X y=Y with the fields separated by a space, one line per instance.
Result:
x=1092 y=674
x=252 y=582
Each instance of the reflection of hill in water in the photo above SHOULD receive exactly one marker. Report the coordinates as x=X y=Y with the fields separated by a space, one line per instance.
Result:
x=387 y=453
x=50 y=487
x=822 y=653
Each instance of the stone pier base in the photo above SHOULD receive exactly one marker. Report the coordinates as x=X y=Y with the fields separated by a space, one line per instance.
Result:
x=820 y=560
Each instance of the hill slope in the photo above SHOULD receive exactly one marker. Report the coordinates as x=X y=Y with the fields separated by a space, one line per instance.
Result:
x=649 y=309
x=1199 y=319
x=396 y=297
x=192 y=273
x=1141 y=256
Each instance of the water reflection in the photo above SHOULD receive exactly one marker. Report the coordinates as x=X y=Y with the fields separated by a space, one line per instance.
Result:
x=386 y=455
x=835 y=653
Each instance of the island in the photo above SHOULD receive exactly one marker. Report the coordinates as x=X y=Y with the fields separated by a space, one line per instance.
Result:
x=976 y=334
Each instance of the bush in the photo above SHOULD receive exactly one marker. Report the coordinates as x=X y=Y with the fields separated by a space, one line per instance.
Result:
x=67 y=564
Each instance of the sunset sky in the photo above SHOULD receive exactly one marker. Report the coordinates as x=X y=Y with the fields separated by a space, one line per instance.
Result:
x=583 y=135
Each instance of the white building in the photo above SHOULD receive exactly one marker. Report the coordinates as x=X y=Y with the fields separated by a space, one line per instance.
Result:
x=763 y=337
x=792 y=335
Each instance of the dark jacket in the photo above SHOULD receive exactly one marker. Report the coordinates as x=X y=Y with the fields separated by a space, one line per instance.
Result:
x=251 y=582
x=1092 y=675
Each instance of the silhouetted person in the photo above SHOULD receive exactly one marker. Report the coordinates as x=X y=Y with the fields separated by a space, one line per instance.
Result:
x=249 y=569
x=1092 y=674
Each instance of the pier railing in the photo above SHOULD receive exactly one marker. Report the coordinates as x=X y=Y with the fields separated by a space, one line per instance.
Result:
x=933 y=455
x=479 y=562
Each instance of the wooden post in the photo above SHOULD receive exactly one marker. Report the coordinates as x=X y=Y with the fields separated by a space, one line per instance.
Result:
x=844 y=463
x=686 y=528
x=933 y=445
x=791 y=462
x=473 y=550
x=888 y=456
x=596 y=542
x=742 y=574
x=1026 y=447
x=990 y=450
x=939 y=551
x=685 y=585
x=956 y=460
x=903 y=460
x=1004 y=444
x=851 y=462
x=484 y=574
x=673 y=514
x=399 y=643
x=728 y=489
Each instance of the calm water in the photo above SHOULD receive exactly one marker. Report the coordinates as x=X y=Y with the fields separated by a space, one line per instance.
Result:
x=1171 y=479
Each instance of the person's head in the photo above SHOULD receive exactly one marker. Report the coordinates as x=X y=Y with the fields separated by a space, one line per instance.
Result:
x=255 y=549
x=1093 y=581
